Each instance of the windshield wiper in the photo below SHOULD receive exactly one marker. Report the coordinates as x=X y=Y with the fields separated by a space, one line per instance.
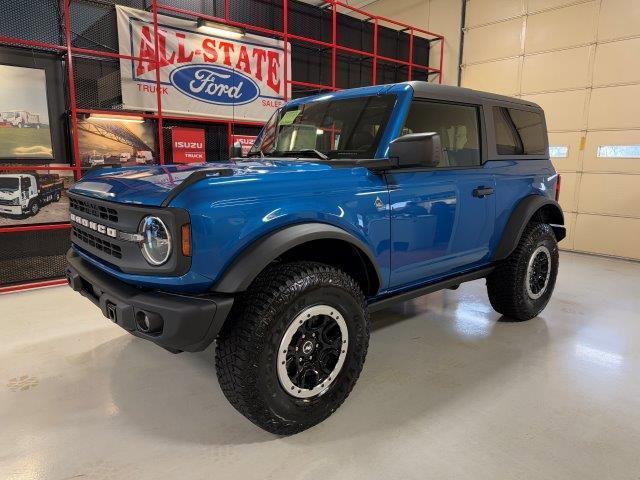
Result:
x=258 y=153
x=317 y=153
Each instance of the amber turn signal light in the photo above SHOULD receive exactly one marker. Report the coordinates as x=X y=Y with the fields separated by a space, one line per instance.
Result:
x=186 y=240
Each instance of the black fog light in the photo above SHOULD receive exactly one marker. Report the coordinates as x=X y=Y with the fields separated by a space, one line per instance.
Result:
x=149 y=322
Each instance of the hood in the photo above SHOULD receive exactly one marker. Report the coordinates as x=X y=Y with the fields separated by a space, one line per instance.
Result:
x=152 y=185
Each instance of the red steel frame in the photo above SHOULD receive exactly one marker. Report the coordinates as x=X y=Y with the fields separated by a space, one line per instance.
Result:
x=70 y=51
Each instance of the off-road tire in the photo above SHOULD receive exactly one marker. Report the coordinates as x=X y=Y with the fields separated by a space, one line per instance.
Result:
x=506 y=285
x=247 y=347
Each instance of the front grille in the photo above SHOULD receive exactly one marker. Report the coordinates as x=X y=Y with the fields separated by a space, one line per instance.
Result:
x=98 y=243
x=6 y=202
x=99 y=211
x=116 y=249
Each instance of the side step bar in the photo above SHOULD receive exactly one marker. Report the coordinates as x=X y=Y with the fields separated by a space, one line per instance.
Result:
x=433 y=287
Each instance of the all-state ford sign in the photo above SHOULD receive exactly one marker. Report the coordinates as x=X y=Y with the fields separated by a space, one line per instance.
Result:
x=200 y=74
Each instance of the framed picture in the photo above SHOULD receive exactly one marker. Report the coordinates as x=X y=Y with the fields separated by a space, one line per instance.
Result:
x=25 y=131
x=29 y=197
x=107 y=140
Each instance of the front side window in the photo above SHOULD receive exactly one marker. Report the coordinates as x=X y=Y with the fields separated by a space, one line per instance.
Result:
x=519 y=132
x=335 y=128
x=457 y=126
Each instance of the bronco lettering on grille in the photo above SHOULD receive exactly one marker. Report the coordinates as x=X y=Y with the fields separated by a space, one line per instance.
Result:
x=103 y=229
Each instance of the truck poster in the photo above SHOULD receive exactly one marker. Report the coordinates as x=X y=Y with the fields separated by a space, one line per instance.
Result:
x=200 y=73
x=34 y=196
x=188 y=145
x=107 y=141
x=24 y=114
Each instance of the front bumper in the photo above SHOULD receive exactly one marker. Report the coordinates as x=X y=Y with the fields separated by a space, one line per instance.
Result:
x=188 y=323
x=11 y=209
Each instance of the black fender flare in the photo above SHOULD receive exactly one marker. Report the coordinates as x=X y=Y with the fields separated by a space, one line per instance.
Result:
x=252 y=260
x=520 y=217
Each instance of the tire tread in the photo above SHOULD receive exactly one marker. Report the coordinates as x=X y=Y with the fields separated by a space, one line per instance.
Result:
x=504 y=285
x=247 y=330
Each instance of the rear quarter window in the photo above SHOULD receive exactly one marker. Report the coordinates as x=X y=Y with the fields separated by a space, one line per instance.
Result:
x=519 y=132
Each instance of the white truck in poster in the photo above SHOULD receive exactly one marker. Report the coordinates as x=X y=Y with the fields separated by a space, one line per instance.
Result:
x=24 y=194
x=20 y=119
x=144 y=157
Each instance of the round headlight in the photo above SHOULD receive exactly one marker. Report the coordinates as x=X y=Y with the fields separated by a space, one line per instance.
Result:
x=156 y=243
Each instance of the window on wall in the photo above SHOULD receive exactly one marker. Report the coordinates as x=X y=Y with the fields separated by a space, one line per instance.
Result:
x=457 y=126
x=558 y=151
x=519 y=132
x=619 y=151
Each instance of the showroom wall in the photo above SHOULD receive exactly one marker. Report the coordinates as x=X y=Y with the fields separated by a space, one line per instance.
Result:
x=580 y=60
x=441 y=16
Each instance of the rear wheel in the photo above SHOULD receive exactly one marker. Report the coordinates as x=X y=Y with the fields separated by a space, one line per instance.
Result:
x=521 y=286
x=294 y=346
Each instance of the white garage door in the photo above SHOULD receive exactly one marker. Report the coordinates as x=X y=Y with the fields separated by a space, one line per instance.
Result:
x=580 y=60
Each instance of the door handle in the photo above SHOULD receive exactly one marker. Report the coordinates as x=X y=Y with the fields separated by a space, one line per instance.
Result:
x=481 y=192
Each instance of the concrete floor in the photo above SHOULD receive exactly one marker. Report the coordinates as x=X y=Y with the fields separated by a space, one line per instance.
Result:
x=447 y=391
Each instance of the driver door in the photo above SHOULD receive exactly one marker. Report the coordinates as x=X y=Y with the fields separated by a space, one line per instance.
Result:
x=442 y=218
x=28 y=189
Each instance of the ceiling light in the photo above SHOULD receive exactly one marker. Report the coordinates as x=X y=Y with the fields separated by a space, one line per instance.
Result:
x=117 y=118
x=219 y=29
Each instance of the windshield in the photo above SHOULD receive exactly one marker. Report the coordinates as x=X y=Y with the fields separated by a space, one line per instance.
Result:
x=9 y=184
x=341 y=128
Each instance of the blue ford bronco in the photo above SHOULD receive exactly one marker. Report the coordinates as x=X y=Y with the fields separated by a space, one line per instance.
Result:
x=347 y=203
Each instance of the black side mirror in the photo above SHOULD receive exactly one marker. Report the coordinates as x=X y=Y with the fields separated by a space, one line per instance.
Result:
x=235 y=151
x=416 y=150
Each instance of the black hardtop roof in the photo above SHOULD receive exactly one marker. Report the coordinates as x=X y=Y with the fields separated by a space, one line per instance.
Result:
x=446 y=92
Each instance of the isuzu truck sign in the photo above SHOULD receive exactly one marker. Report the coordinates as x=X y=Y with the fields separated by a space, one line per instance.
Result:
x=200 y=74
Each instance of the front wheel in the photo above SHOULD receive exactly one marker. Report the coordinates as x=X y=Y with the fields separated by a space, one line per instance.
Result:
x=34 y=208
x=294 y=346
x=521 y=286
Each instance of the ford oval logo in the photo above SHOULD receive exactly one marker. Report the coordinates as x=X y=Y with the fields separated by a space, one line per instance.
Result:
x=214 y=84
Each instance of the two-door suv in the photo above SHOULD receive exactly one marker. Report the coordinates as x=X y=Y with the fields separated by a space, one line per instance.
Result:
x=348 y=202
